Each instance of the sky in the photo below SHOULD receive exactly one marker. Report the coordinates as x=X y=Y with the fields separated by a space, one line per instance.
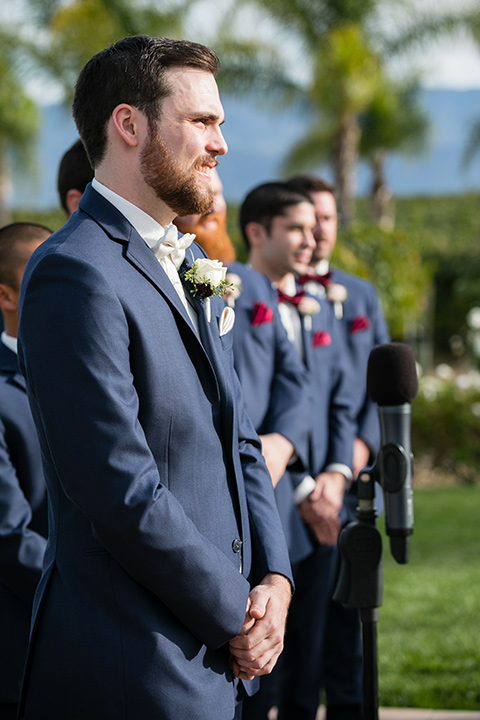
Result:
x=446 y=64
x=452 y=64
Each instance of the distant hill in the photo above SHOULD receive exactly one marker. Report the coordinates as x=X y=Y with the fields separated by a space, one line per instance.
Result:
x=258 y=139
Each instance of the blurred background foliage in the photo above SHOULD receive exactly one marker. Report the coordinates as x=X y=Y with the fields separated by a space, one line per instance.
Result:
x=422 y=254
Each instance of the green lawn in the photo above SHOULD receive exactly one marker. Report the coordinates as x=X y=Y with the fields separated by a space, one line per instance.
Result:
x=429 y=628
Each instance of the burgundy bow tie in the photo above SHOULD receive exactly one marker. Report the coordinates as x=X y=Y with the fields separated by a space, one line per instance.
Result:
x=292 y=299
x=324 y=280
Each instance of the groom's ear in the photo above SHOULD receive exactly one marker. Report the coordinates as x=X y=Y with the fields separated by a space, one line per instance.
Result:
x=129 y=124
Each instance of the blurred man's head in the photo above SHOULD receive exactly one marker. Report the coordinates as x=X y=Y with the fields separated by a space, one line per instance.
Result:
x=17 y=243
x=210 y=228
x=323 y=197
x=277 y=225
x=74 y=174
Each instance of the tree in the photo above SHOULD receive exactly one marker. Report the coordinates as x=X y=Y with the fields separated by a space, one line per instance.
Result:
x=77 y=30
x=344 y=50
x=346 y=80
x=472 y=145
x=19 y=120
x=394 y=121
x=55 y=42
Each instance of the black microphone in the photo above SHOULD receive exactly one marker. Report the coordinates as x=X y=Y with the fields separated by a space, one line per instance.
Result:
x=392 y=384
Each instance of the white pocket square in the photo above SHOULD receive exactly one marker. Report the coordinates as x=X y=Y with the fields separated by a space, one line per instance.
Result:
x=226 y=321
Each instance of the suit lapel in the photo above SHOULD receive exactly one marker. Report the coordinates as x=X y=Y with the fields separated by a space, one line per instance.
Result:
x=227 y=402
x=136 y=252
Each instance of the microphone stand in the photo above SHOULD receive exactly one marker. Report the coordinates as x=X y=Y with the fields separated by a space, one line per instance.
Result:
x=360 y=582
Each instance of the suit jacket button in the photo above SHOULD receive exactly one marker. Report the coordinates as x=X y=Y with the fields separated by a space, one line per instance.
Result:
x=236 y=545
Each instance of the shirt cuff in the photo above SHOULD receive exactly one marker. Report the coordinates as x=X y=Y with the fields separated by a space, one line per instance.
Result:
x=303 y=490
x=343 y=469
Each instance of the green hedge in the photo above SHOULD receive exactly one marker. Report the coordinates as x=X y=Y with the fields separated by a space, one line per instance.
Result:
x=446 y=424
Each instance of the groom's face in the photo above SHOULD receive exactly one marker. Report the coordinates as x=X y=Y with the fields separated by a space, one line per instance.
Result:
x=180 y=153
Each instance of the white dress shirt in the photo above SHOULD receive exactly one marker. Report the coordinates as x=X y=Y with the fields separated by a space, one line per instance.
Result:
x=151 y=231
x=9 y=341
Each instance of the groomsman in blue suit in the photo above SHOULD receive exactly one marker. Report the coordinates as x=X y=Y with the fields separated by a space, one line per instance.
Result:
x=166 y=579
x=276 y=388
x=277 y=224
x=23 y=494
x=274 y=381
x=356 y=305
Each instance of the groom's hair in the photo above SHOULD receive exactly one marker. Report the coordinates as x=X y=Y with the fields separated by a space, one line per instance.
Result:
x=265 y=202
x=131 y=71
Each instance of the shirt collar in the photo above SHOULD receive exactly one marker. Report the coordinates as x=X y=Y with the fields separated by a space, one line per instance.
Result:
x=148 y=228
x=290 y=287
x=322 y=267
x=9 y=341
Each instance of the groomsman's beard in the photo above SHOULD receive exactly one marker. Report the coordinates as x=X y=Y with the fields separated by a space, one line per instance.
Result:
x=180 y=189
x=215 y=242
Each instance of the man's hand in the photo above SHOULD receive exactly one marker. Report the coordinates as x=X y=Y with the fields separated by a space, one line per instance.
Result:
x=361 y=456
x=277 y=451
x=256 y=649
x=321 y=508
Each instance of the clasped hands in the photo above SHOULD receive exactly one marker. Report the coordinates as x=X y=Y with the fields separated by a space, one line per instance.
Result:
x=320 y=510
x=256 y=649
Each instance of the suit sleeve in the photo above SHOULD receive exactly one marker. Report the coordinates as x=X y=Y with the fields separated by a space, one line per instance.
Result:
x=21 y=549
x=76 y=359
x=270 y=553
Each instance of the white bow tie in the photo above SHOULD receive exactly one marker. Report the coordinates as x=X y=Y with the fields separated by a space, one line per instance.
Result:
x=170 y=244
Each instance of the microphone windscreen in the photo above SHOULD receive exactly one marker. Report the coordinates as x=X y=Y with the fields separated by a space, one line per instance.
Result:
x=392 y=374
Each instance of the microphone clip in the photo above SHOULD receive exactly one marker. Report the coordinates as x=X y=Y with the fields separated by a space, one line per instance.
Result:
x=360 y=580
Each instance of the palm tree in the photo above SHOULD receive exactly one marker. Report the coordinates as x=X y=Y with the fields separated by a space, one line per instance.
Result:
x=393 y=122
x=472 y=145
x=344 y=51
x=347 y=74
x=77 y=30
x=19 y=121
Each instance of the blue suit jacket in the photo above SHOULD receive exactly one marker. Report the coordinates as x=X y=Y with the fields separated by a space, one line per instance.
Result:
x=155 y=480
x=23 y=523
x=332 y=429
x=362 y=327
x=361 y=337
x=276 y=387
x=274 y=381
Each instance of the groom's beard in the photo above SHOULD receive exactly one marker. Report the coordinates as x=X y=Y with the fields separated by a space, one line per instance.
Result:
x=180 y=189
x=214 y=241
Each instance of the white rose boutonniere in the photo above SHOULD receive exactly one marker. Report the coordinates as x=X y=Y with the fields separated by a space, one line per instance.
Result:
x=307 y=307
x=337 y=294
x=207 y=278
x=233 y=289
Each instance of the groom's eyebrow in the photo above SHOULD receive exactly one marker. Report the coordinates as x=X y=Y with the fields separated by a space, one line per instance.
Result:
x=211 y=117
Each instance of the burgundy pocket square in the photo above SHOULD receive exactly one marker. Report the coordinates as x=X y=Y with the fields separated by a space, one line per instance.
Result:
x=261 y=314
x=321 y=338
x=359 y=323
